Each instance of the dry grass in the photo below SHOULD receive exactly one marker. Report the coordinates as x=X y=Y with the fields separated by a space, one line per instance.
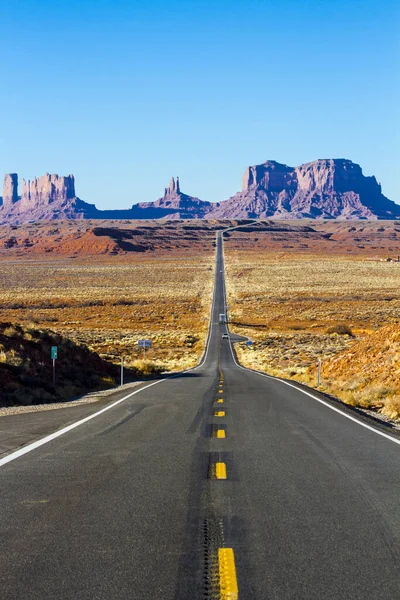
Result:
x=299 y=309
x=108 y=307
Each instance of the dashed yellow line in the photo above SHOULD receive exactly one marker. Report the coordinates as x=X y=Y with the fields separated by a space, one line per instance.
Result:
x=227 y=574
x=220 y=470
x=220 y=413
x=221 y=433
x=220 y=400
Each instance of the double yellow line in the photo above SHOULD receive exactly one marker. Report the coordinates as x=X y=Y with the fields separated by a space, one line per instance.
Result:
x=226 y=556
x=227 y=574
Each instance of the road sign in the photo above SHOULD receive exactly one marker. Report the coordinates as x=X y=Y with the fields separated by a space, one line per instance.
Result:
x=144 y=343
x=249 y=343
x=53 y=358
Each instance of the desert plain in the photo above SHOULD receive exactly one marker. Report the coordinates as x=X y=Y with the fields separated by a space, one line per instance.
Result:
x=302 y=291
x=320 y=292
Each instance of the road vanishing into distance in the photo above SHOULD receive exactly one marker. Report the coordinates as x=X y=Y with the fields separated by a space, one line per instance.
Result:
x=215 y=483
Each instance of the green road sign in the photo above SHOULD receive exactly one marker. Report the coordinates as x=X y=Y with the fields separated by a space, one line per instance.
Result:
x=54 y=352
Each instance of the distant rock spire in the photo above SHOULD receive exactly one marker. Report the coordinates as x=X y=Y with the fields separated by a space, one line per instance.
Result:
x=10 y=190
x=172 y=185
x=177 y=189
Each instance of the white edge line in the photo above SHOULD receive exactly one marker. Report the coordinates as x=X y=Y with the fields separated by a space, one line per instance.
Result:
x=56 y=434
x=385 y=435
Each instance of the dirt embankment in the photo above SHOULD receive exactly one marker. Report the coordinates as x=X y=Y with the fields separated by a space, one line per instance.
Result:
x=26 y=367
x=367 y=374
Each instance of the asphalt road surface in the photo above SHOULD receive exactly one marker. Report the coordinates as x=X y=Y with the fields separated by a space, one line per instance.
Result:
x=133 y=503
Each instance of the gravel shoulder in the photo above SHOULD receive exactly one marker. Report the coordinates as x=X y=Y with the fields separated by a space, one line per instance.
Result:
x=21 y=425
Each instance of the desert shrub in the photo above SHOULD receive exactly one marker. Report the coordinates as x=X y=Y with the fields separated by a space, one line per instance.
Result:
x=68 y=392
x=340 y=329
x=190 y=340
x=24 y=396
x=375 y=395
x=144 y=367
x=106 y=381
x=10 y=331
x=391 y=407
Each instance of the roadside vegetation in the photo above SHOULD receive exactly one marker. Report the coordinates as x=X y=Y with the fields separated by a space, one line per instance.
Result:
x=26 y=375
x=105 y=308
x=342 y=311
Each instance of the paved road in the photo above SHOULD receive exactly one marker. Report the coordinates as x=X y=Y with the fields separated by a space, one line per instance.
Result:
x=127 y=505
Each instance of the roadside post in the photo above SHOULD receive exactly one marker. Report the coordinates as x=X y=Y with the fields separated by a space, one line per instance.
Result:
x=144 y=344
x=249 y=344
x=319 y=372
x=122 y=370
x=54 y=358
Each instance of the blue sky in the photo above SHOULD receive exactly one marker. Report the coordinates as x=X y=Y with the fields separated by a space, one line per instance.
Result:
x=125 y=94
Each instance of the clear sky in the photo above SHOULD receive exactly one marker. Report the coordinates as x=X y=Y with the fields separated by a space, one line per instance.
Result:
x=125 y=94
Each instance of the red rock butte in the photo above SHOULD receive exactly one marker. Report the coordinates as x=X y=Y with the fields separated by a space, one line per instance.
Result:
x=321 y=189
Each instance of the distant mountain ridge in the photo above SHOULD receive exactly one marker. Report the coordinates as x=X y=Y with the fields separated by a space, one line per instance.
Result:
x=324 y=189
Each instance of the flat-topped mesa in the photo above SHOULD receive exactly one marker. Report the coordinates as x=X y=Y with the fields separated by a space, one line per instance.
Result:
x=47 y=189
x=337 y=174
x=322 y=189
x=325 y=188
x=270 y=175
x=10 y=190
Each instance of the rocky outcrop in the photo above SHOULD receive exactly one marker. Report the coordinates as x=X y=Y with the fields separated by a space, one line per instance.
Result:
x=10 y=190
x=175 y=204
x=42 y=199
x=328 y=189
x=325 y=189
x=46 y=190
x=52 y=197
x=173 y=187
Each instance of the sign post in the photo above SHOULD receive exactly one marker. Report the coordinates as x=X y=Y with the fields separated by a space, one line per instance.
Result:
x=249 y=344
x=319 y=372
x=54 y=357
x=122 y=370
x=144 y=344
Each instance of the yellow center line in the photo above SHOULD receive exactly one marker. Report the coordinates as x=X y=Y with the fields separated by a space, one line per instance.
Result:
x=220 y=413
x=220 y=470
x=221 y=433
x=220 y=400
x=227 y=574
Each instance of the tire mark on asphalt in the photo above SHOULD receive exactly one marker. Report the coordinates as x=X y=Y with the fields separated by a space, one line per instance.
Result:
x=134 y=413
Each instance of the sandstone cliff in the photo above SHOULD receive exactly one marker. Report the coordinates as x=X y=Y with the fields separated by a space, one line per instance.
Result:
x=325 y=189
x=52 y=197
x=42 y=199
x=46 y=190
x=328 y=188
